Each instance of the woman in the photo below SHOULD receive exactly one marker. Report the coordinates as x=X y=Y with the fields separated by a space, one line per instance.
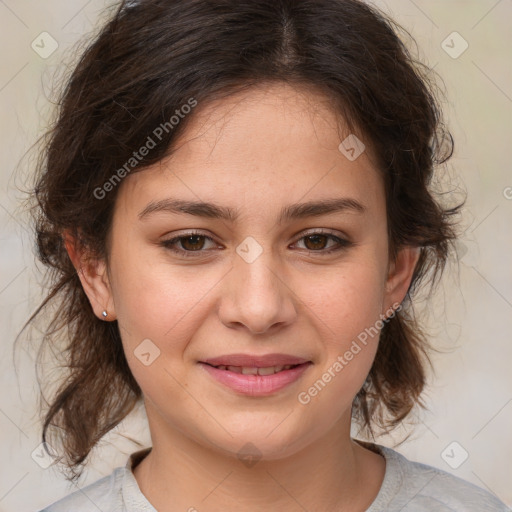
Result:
x=235 y=204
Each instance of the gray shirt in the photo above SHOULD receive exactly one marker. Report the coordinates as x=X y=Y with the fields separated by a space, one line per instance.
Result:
x=407 y=487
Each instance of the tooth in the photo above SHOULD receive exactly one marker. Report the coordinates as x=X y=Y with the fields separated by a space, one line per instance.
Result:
x=266 y=371
x=246 y=370
x=249 y=371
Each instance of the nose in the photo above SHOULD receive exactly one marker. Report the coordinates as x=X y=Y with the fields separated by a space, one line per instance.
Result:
x=256 y=296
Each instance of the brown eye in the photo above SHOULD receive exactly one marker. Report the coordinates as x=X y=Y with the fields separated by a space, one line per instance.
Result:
x=192 y=243
x=315 y=242
x=188 y=244
x=318 y=242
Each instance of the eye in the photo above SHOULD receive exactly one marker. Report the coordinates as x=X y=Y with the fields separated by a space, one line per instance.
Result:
x=315 y=242
x=194 y=242
x=190 y=242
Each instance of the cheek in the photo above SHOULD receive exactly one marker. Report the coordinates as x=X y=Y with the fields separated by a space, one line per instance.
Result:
x=347 y=302
x=156 y=299
x=347 y=317
x=330 y=393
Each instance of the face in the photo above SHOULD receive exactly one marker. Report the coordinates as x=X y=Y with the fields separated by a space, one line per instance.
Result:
x=188 y=285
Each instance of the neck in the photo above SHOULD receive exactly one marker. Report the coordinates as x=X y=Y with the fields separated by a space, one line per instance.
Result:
x=333 y=473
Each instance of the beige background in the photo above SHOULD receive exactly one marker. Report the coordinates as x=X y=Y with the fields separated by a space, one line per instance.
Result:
x=470 y=400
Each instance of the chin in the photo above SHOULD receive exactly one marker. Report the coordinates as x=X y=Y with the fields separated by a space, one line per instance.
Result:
x=250 y=444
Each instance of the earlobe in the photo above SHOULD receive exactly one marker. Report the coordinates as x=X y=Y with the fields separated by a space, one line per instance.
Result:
x=93 y=275
x=400 y=274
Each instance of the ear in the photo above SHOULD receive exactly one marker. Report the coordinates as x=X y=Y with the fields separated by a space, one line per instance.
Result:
x=399 y=276
x=92 y=272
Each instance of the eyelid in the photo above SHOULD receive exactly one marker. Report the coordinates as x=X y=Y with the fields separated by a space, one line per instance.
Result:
x=322 y=231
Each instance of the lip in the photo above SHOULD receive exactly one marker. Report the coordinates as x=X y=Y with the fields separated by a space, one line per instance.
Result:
x=255 y=361
x=257 y=385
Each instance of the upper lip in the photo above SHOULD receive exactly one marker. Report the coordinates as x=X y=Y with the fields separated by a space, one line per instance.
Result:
x=255 y=361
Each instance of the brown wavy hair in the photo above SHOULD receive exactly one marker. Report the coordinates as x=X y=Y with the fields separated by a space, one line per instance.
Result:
x=149 y=59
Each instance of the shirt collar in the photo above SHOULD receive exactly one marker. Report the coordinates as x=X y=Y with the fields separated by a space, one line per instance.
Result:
x=134 y=500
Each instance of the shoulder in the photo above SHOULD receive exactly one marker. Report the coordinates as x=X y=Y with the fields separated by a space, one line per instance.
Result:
x=415 y=487
x=105 y=494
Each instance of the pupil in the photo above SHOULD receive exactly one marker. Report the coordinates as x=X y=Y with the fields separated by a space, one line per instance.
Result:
x=186 y=240
x=315 y=240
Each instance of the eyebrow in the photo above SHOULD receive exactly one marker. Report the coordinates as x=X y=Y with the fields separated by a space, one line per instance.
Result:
x=288 y=213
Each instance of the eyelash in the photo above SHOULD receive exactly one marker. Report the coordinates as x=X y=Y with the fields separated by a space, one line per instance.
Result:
x=169 y=244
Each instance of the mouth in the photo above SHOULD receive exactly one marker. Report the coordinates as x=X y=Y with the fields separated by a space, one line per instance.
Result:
x=254 y=370
x=256 y=380
x=255 y=360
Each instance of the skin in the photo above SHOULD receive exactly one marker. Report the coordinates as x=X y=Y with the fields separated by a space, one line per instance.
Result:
x=255 y=152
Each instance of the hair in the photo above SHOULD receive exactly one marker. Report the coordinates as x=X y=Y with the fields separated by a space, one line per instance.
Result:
x=149 y=59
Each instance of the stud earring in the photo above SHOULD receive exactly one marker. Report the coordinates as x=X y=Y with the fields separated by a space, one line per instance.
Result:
x=105 y=314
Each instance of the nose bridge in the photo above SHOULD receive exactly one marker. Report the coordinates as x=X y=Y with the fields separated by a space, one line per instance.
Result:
x=258 y=275
x=258 y=298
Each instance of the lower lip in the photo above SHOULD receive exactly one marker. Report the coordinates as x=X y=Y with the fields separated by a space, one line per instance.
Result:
x=256 y=385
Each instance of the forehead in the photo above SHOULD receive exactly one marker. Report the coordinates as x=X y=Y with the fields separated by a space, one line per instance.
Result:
x=266 y=146
x=269 y=116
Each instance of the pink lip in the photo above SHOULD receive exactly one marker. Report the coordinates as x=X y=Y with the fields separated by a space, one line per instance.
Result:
x=255 y=361
x=257 y=385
